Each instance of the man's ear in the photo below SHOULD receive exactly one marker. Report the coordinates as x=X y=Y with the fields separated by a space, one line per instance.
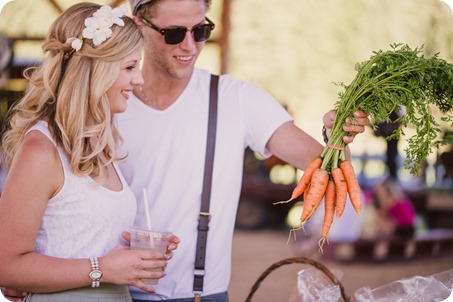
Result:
x=139 y=23
x=137 y=20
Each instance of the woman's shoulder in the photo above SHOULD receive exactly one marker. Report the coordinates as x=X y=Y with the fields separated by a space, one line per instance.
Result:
x=36 y=168
x=37 y=150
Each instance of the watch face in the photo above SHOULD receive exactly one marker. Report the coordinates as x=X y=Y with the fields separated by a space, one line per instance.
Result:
x=95 y=274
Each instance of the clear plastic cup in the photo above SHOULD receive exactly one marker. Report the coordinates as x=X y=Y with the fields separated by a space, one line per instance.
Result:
x=143 y=239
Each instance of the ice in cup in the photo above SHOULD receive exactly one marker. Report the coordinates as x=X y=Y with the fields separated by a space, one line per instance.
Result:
x=143 y=239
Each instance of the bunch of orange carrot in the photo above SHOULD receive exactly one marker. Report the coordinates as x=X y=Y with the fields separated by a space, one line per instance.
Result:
x=329 y=177
x=331 y=184
x=400 y=77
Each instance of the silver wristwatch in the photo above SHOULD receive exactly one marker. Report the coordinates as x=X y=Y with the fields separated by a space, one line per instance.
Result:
x=95 y=273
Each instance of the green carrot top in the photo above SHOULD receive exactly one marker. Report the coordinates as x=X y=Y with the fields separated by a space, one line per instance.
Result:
x=400 y=77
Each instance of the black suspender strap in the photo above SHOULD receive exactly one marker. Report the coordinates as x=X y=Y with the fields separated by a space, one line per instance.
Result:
x=205 y=216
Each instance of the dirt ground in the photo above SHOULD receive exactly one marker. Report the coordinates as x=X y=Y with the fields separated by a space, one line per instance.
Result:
x=255 y=251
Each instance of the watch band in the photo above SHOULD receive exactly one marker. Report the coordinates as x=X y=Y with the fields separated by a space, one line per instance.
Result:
x=95 y=273
x=324 y=134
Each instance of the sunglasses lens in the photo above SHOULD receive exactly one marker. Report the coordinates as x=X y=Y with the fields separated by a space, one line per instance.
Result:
x=202 y=32
x=175 y=35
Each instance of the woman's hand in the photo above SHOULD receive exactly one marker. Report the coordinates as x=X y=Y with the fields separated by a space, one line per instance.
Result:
x=172 y=245
x=125 y=266
x=354 y=127
x=13 y=295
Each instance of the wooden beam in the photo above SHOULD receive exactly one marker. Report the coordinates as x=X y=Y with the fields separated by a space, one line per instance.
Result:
x=115 y=3
x=224 y=38
x=56 y=6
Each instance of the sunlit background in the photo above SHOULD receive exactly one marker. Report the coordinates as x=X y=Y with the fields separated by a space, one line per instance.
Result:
x=3 y=3
x=296 y=50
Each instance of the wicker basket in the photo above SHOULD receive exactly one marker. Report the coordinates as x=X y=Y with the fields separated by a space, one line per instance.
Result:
x=302 y=260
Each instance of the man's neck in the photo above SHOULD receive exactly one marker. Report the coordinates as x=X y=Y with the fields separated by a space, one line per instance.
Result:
x=160 y=93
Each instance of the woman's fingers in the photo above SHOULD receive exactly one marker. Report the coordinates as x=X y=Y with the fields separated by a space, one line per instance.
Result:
x=13 y=295
x=172 y=245
x=126 y=236
x=153 y=269
x=154 y=264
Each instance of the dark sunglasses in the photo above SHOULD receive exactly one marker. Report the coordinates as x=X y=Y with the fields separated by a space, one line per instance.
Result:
x=175 y=35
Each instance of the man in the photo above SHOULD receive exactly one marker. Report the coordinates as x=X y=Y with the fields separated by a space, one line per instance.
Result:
x=164 y=132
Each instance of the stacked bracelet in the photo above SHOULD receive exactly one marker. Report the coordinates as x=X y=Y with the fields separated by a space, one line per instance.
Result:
x=95 y=273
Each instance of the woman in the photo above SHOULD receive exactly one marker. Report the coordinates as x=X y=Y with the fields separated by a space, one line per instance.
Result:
x=396 y=213
x=65 y=204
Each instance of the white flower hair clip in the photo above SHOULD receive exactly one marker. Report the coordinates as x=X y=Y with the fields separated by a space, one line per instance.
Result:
x=98 y=27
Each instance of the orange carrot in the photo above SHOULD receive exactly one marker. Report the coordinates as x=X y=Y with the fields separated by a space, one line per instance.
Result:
x=329 y=212
x=306 y=193
x=310 y=212
x=341 y=191
x=353 y=185
x=304 y=181
x=305 y=208
x=318 y=186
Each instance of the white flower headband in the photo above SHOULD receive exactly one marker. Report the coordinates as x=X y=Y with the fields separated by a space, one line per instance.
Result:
x=98 y=27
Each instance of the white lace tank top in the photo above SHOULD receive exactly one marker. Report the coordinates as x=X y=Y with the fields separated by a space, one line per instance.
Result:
x=84 y=219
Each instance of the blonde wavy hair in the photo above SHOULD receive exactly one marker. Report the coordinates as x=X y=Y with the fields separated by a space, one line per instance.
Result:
x=70 y=93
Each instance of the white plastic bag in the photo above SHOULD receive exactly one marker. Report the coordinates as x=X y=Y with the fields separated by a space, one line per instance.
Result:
x=314 y=285
x=437 y=287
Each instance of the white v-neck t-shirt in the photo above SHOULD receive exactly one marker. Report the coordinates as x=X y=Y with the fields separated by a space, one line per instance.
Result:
x=166 y=154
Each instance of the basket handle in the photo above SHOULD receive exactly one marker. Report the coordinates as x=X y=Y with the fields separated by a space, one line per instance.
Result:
x=303 y=260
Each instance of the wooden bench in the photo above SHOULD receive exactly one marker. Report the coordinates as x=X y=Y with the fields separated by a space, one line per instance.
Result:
x=433 y=243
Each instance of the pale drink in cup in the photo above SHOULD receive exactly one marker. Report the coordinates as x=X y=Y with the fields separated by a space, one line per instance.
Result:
x=144 y=239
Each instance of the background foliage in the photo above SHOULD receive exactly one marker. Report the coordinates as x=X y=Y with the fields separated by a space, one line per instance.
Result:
x=295 y=49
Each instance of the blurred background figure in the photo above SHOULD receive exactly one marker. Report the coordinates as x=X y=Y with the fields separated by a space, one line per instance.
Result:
x=6 y=62
x=395 y=213
x=6 y=59
x=446 y=162
x=386 y=129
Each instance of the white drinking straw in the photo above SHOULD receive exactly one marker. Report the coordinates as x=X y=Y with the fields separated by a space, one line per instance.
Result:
x=145 y=200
